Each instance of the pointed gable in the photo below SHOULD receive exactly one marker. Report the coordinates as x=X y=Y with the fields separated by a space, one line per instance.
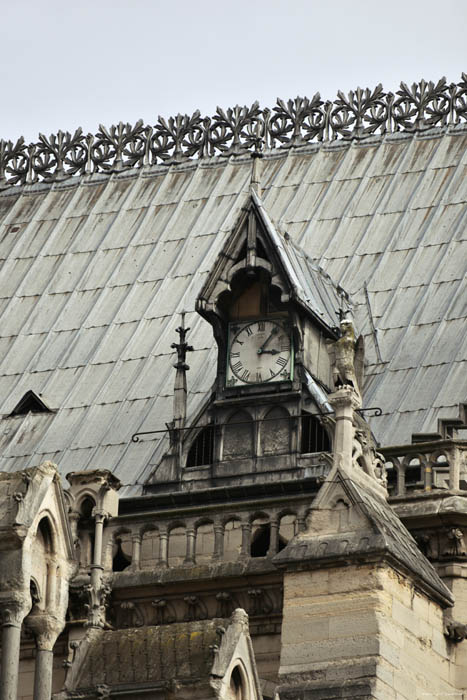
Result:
x=350 y=521
x=256 y=243
x=30 y=403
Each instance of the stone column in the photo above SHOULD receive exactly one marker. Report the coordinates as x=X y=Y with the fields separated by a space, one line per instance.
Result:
x=344 y=401
x=190 y=546
x=163 y=548
x=246 y=540
x=46 y=629
x=136 y=551
x=273 y=537
x=12 y=613
x=96 y=566
x=218 y=542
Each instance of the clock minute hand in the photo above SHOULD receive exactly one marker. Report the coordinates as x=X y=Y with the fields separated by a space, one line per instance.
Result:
x=261 y=349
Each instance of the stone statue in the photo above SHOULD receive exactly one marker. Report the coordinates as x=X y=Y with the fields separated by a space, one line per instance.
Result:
x=347 y=356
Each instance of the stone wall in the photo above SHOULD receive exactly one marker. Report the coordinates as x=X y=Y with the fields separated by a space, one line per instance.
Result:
x=364 y=629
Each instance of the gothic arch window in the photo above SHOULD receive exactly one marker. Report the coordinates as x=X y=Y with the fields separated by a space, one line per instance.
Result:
x=202 y=448
x=239 y=436
x=314 y=435
x=237 y=689
x=275 y=432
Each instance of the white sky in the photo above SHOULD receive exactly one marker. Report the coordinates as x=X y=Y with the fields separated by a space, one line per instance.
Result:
x=81 y=63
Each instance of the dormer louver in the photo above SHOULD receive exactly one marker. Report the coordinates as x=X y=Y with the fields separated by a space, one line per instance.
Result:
x=30 y=403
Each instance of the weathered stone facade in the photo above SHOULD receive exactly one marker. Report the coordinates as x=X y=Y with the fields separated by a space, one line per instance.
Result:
x=199 y=507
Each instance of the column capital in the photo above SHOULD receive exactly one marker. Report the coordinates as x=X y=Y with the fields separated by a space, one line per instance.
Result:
x=13 y=609
x=100 y=515
x=46 y=629
x=345 y=397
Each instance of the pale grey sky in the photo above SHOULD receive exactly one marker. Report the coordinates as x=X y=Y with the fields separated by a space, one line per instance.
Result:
x=66 y=65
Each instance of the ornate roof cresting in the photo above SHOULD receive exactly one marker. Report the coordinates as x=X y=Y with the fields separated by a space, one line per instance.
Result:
x=234 y=131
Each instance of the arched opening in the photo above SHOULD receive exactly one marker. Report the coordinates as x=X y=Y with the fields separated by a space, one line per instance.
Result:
x=314 y=436
x=237 y=687
x=238 y=436
x=45 y=531
x=202 y=448
x=86 y=532
x=260 y=541
x=121 y=559
x=275 y=432
x=413 y=474
x=87 y=506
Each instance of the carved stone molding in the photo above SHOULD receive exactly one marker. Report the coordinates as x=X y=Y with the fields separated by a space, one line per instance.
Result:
x=13 y=610
x=235 y=131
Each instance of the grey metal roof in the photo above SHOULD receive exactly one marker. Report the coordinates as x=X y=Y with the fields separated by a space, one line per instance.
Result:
x=96 y=269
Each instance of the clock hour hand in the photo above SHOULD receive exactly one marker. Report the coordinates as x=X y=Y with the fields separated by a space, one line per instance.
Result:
x=270 y=352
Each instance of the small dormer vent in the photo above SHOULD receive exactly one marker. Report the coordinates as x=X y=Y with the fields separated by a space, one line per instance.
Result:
x=30 y=403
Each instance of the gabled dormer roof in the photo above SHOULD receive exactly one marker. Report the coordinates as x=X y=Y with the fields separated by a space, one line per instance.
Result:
x=257 y=242
x=30 y=403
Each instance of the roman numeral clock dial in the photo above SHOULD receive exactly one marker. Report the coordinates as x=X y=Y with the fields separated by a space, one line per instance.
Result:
x=259 y=352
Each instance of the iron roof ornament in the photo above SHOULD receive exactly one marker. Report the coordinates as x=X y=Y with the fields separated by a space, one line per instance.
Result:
x=235 y=131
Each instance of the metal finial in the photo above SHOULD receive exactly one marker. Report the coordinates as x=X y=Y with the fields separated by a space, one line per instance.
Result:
x=182 y=347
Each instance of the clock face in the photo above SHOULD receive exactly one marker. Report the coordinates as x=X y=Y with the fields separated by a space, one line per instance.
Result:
x=259 y=351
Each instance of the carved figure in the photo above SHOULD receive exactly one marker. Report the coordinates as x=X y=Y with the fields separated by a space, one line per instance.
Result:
x=347 y=358
x=425 y=546
x=455 y=631
x=456 y=544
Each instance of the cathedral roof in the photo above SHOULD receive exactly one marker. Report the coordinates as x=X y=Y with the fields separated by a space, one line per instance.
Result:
x=97 y=268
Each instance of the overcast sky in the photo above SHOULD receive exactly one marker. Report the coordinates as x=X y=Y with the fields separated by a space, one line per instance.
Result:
x=81 y=63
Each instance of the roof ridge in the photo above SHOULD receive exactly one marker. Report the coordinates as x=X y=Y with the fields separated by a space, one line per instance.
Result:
x=354 y=116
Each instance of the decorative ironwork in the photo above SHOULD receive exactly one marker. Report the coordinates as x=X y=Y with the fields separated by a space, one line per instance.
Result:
x=373 y=411
x=235 y=131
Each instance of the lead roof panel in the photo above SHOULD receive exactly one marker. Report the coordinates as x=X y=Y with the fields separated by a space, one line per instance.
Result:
x=97 y=269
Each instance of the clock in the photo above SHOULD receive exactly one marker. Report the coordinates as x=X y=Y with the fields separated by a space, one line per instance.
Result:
x=259 y=351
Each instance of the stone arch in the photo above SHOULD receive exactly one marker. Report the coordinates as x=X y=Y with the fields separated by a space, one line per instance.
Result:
x=275 y=431
x=42 y=558
x=238 y=686
x=413 y=466
x=85 y=506
x=121 y=549
x=201 y=450
x=238 y=439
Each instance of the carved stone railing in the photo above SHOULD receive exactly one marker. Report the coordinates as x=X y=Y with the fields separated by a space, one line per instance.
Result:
x=424 y=466
x=235 y=131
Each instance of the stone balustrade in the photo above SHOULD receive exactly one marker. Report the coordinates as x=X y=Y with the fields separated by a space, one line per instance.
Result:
x=424 y=466
x=224 y=536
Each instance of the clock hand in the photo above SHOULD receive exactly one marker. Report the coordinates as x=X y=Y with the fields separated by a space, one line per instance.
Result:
x=261 y=349
x=270 y=352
